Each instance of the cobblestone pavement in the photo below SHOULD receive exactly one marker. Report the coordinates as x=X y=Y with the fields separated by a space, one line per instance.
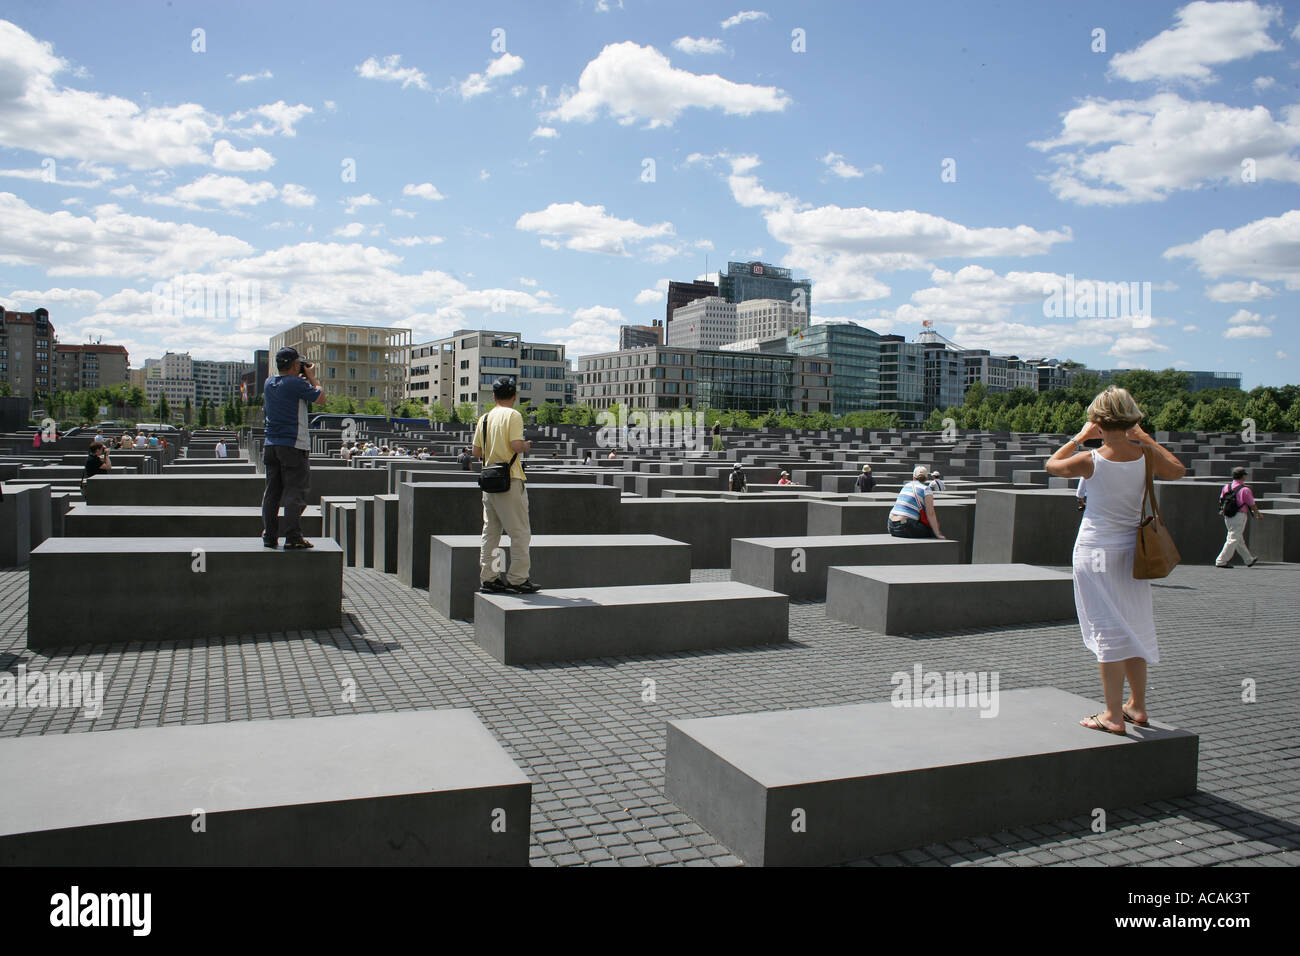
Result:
x=594 y=748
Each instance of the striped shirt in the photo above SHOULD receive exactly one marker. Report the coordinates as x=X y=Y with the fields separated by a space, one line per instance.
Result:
x=911 y=500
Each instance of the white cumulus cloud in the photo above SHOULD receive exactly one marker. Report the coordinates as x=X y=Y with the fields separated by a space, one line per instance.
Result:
x=588 y=228
x=476 y=84
x=744 y=16
x=422 y=191
x=1206 y=35
x=390 y=69
x=699 y=45
x=634 y=83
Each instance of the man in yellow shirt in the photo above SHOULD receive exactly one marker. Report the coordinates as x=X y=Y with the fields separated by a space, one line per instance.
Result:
x=499 y=436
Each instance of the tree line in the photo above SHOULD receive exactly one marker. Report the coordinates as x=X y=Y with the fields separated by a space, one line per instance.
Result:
x=1162 y=396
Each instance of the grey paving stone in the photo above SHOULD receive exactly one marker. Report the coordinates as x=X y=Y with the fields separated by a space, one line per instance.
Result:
x=595 y=752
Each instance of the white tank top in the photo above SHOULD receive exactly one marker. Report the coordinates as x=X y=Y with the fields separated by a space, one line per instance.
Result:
x=1114 y=503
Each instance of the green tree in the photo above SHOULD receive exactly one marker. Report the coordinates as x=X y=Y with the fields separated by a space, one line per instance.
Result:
x=466 y=412
x=1068 y=419
x=1216 y=416
x=188 y=414
x=1022 y=418
x=549 y=413
x=373 y=406
x=164 y=410
x=1172 y=417
x=976 y=394
x=203 y=414
x=1264 y=409
x=438 y=412
x=5 y=390
x=88 y=407
x=1291 y=420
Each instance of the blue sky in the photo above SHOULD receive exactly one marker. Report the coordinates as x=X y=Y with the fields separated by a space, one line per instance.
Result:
x=547 y=167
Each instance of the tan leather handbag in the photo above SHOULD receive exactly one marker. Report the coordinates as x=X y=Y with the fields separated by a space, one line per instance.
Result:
x=1156 y=554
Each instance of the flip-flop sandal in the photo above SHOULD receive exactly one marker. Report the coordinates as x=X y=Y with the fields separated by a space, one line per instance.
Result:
x=1098 y=725
x=1135 y=723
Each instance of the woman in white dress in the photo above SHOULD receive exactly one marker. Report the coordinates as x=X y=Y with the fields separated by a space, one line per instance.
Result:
x=1114 y=608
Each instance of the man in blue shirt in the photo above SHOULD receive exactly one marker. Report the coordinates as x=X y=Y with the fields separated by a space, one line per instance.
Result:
x=288 y=474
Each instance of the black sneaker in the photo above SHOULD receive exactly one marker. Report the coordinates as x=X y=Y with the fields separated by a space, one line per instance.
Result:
x=270 y=543
x=297 y=544
x=1251 y=562
x=523 y=587
x=495 y=586
x=1224 y=567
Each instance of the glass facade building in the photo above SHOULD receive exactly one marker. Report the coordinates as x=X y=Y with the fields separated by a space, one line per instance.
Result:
x=902 y=379
x=669 y=378
x=854 y=353
x=758 y=280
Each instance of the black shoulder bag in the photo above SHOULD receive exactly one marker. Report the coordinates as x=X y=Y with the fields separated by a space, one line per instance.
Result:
x=494 y=479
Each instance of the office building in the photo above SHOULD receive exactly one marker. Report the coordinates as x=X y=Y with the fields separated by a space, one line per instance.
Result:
x=359 y=362
x=680 y=293
x=671 y=378
x=902 y=379
x=92 y=366
x=707 y=323
x=945 y=377
x=760 y=280
x=999 y=373
x=640 y=336
x=27 y=356
x=173 y=376
x=218 y=382
x=462 y=367
x=854 y=353
x=766 y=319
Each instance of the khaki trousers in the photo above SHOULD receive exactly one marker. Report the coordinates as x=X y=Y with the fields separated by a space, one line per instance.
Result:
x=505 y=511
x=1236 y=543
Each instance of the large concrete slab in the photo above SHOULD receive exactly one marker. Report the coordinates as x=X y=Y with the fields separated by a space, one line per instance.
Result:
x=1028 y=526
x=565 y=624
x=15 y=525
x=558 y=560
x=1276 y=535
x=797 y=566
x=709 y=525
x=182 y=589
x=426 y=509
x=384 y=545
x=414 y=788
x=956 y=519
x=915 y=599
x=185 y=489
x=835 y=784
x=174 y=521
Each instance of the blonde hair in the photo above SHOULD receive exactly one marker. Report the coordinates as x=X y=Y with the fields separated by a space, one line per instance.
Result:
x=1115 y=409
x=919 y=472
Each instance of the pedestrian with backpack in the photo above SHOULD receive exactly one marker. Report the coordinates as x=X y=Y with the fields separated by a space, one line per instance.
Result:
x=737 y=482
x=1235 y=502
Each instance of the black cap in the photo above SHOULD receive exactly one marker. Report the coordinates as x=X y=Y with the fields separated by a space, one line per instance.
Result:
x=286 y=357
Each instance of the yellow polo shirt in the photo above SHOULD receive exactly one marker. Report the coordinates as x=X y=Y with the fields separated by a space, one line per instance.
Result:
x=504 y=425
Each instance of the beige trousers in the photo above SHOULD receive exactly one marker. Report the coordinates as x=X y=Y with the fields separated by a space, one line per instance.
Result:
x=505 y=511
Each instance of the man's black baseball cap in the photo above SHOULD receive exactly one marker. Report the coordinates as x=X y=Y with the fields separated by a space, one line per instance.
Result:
x=286 y=357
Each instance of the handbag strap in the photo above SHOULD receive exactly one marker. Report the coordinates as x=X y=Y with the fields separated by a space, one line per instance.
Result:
x=1149 y=493
x=483 y=443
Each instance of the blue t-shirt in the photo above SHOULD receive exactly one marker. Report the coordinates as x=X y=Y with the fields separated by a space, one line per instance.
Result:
x=286 y=399
x=911 y=500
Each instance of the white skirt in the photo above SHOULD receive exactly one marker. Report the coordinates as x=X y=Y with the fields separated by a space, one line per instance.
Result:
x=1115 y=612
